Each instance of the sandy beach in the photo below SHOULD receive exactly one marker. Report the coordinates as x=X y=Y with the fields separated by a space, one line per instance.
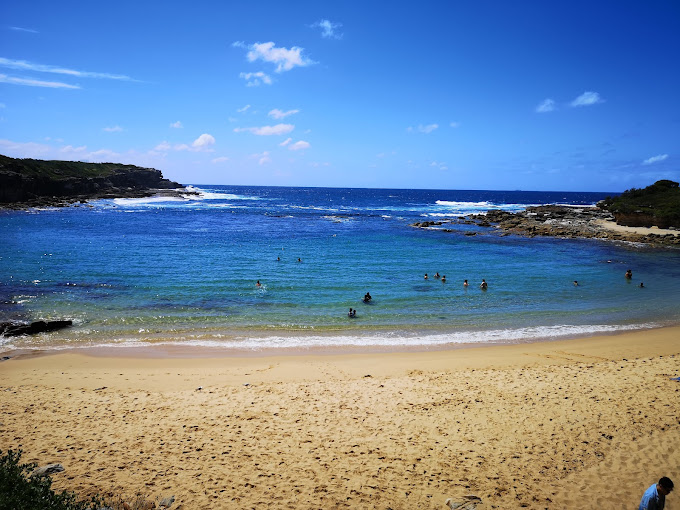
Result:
x=584 y=423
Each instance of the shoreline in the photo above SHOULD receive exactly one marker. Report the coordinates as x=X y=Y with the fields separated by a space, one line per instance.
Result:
x=537 y=425
x=168 y=348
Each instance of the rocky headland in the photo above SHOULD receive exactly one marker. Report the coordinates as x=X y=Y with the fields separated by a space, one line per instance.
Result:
x=26 y=183
x=558 y=221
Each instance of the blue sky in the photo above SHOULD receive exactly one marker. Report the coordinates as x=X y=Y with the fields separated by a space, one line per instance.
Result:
x=535 y=95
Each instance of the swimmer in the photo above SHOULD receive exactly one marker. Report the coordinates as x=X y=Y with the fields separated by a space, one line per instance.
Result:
x=629 y=274
x=483 y=285
x=367 y=297
x=466 y=284
x=436 y=275
x=443 y=278
x=258 y=284
x=426 y=276
x=575 y=283
x=278 y=259
x=299 y=259
x=352 y=313
x=642 y=285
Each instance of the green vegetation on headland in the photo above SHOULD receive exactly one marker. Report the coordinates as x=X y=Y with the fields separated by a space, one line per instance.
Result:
x=656 y=205
x=31 y=182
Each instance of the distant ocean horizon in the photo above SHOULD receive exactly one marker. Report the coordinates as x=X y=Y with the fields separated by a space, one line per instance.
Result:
x=183 y=271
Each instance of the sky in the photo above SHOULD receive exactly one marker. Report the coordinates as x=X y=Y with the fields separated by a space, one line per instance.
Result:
x=498 y=95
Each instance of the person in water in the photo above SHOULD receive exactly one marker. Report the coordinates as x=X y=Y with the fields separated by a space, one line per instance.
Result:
x=575 y=283
x=466 y=284
x=483 y=285
x=258 y=284
x=444 y=278
x=352 y=313
x=367 y=297
x=629 y=274
x=436 y=275
x=642 y=285
x=426 y=276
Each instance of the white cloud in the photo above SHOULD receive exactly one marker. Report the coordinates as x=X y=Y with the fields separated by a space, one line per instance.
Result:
x=72 y=149
x=424 y=129
x=245 y=108
x=23 y=150
x=36 y=83
x=102 y=156
x=220 y=159
x=278 y=114
x=454 y=124
x=163 y=147
x=655 y=159
x=547 y=105
x=299 y=146
x=176 y=125
x=285 y=142
x=279 y=129
x=203 y=142
x=586 y=99
x=255 y=79
x=20 y=29
x=29 y=66
x=262 y=159
x=114 y=129
x=328 y=29
x=284 y=58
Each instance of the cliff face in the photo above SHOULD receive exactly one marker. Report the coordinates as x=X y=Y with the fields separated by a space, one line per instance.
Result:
x=29 y=180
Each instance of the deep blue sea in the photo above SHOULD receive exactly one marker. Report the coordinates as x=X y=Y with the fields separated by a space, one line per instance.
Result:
x=159 y=270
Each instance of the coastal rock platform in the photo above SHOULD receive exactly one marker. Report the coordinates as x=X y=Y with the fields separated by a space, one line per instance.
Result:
x=563 y=222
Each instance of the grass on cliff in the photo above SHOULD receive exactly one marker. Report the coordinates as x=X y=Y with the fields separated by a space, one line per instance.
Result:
x=56 y=170
x=661 y=200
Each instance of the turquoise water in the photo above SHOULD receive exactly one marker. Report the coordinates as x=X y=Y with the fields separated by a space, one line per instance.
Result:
x=142 y=271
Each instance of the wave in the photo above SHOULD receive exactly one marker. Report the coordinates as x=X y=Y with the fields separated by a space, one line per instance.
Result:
x=393 y=340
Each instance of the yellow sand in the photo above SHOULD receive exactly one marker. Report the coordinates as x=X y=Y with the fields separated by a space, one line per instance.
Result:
x=615 y=227
x=586 y=423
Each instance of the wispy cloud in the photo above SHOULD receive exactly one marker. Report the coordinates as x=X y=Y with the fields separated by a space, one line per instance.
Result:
x=256 y=79
x=23 y=65
x=202 y=144
x=587 y=99
x=114 y=129
x=547 y=105
x=21 y=29
x=278 y=114
x=299 y=145
x=262 y=159
x=221 y=159
x=244 y=109
x=176 y=125
x=278 y=129
x=427 y=129
x=36 y=83
x=285 y=142
x=655 y=159
x=455 y=124
x=285 y=59
x=329 y=30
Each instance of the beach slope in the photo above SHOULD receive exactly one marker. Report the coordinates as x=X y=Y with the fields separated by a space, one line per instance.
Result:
x=570 y=424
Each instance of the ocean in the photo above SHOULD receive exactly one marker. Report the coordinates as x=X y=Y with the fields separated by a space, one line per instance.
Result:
x=183 y=271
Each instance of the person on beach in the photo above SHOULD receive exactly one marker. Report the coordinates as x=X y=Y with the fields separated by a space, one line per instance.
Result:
x=654 y=498
x=466 y=284
x=483 y=285
x=629 y=274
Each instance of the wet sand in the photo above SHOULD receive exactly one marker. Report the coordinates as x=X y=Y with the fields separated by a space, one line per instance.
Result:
x=585 y=423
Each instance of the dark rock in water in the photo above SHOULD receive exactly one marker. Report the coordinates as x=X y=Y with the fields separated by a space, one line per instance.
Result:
x=49 y=469
x=12 y=329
